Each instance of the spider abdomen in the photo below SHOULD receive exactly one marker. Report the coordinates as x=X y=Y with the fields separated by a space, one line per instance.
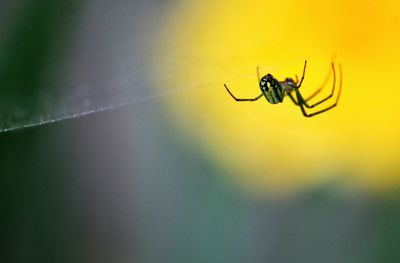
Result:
x=272 y=89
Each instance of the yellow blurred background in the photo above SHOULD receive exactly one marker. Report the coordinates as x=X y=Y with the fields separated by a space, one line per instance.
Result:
x=273 y=148
x=182 y=172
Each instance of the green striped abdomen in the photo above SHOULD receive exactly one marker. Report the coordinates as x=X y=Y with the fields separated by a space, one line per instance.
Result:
x=271 y=89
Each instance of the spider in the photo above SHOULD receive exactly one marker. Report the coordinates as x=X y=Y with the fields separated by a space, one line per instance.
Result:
x=274 y=91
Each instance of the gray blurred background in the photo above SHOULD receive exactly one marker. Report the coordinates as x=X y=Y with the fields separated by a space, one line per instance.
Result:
x=118 y=185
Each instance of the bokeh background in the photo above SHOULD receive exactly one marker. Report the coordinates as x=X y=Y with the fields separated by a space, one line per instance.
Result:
x=142 y=156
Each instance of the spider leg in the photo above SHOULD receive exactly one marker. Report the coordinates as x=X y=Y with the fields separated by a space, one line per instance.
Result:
x=298 y=86
x=304 y=71
x=237 y=99
x=326 y=98
x=323 y=85
x=293 y=99
x=302 y=102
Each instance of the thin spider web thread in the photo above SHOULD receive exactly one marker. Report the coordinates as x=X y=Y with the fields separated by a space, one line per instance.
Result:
x=40 y=120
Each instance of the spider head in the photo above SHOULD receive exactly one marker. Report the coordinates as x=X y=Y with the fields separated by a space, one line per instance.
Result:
x=290 y=82
x=271 y=89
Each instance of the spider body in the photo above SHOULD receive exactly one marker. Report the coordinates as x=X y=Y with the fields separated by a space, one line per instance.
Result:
x=274 y=91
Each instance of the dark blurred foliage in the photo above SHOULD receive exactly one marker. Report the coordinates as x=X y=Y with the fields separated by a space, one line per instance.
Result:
x=120 y=186
x=31 y=202
x=30 y=39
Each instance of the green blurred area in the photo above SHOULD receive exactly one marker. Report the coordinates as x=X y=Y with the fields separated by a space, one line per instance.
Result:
x=120 y=186
x=31 y=52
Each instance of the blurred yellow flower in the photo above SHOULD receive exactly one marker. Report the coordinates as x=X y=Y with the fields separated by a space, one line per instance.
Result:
x=273 y=147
